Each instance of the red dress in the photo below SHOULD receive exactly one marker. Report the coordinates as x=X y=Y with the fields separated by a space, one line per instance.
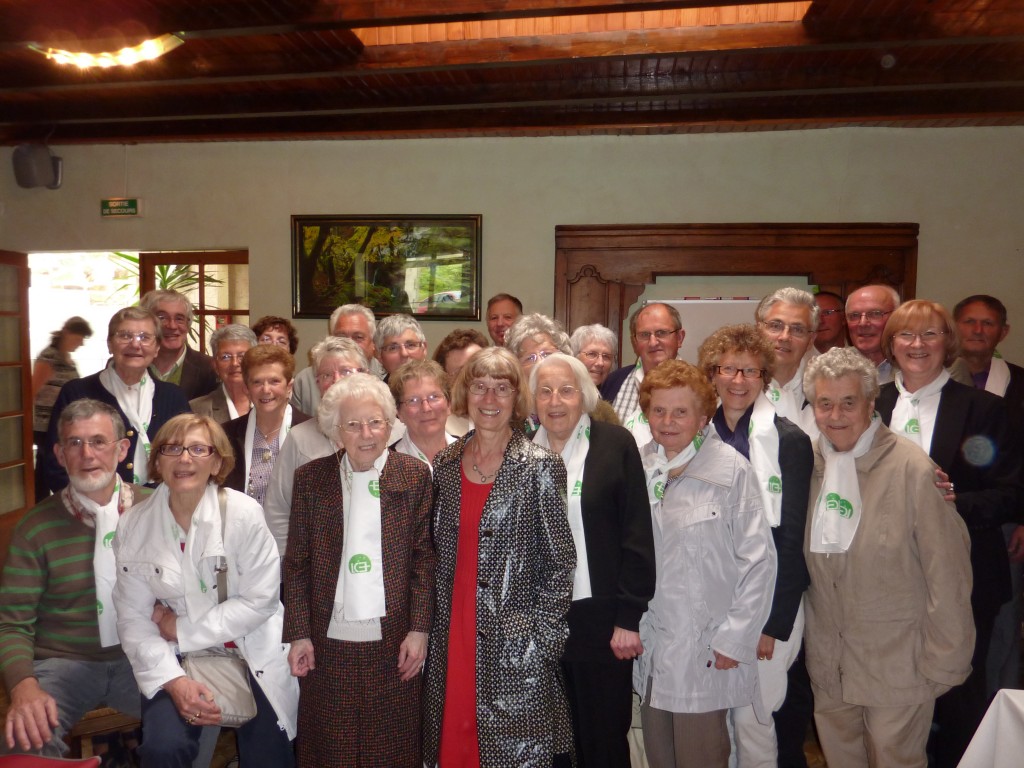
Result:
x=459 y=745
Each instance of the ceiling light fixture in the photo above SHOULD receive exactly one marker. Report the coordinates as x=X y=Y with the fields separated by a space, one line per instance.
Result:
x=126 y=57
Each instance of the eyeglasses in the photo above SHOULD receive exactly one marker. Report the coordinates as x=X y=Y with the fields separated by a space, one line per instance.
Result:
x=281 y=341
x=565 y=392
x=872 y=315
x=338 y=373
x=929 y=336
x=227 y=357
x=777 y=327
x=536 y=357
x=163 y=317
x=410 y=346
x=354 y=427
x=593 y=356
x=195 y=451
x=435 y=398
x=501 y=391
x=98 y=444
x=828 y=312
x=660 y=335
x=127 y=337
x=730 y=371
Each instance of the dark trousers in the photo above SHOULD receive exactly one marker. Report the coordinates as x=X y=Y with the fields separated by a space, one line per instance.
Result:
x=794 y=717
x=168 y=742
x=601 y=699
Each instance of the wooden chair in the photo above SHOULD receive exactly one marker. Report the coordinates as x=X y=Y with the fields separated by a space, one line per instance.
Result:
x=98 y=722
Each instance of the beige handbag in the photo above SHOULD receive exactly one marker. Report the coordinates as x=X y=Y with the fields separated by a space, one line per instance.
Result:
x=222 y=670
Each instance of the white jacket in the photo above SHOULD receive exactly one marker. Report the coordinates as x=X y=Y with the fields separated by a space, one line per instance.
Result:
x=149 y=569
x=715 y=561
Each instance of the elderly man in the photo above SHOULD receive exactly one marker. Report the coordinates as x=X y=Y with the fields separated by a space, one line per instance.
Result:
x=350 y=321
x=889 y=624
x=867 y=310
x=503 y=309
x=59 y=650
x=831 y=321
x=399 y=338
x=231 y=399
x=981 y=322
x=656 y=333
x=175 y=363
x=788 y=318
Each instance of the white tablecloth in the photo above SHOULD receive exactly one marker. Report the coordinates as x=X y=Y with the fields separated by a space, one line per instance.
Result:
x=999 y=742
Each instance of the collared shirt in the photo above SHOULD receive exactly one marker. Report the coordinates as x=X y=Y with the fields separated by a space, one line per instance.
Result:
x=173 y=376
x=627 y=401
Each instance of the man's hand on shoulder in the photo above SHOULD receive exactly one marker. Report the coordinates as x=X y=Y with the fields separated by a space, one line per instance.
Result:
x=32 y=715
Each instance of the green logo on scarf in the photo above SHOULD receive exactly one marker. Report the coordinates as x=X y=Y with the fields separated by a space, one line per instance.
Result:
x=698 y=440
x=359 y=564
x=913 y=427
x=374 y=487
x=643 y=419
x=577 y=489
x=836 y=503
x=108 y=540
x=586 y=433
x=659 y=490
x=202 y=586
x=99 y=607
x=774 y=395
x=774 y=484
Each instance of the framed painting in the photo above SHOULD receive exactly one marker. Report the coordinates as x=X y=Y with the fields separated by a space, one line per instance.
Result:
x=425 y=266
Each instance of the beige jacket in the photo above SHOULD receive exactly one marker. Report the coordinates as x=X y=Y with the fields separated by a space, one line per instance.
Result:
x=889 y=622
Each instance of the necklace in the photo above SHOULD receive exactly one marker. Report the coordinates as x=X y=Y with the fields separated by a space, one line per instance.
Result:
x=484 y=476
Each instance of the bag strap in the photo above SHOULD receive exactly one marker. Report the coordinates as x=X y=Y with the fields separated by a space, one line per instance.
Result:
x=222 y=563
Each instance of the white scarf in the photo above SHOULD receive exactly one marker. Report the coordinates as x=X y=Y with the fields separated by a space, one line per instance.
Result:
x=657 y=466
x=359 y=594
x=250 y=436
x=763 y=438
x=137 y=403
x=574 y=454
x=789 y=398
x=409 y=448
x=907 y=416
x=104 y=567
x=232 y=410
x=837 y=510
x=998 y=377
x=639 y=428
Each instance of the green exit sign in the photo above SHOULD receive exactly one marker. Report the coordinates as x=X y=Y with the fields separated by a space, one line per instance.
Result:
x=120 y=207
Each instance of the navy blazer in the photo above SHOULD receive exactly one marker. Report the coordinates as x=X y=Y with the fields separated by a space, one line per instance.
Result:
x=611 y=386
x=168 y=401
x=974 y=444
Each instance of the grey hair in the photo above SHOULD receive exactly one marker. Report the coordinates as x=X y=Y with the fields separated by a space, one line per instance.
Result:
x=584 y=383
x=894 y=295
x=586 y=334
x=533 y=325
x=789 y=295
x=337 y=346
x=839 y=362
x=231 y=332
x=352 y=309
x=86 y=408
x=354 y=387
x=396 y=325
x=154 y=297
x=133 y=313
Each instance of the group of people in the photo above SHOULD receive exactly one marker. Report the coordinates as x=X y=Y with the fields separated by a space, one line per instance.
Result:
x=477 y=559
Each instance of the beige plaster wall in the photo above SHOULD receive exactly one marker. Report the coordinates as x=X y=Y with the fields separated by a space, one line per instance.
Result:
x=964 y=187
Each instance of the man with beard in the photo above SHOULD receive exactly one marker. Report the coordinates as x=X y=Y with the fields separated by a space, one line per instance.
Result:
x=59 y=651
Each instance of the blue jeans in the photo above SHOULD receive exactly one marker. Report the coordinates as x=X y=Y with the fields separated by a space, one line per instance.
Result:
x=168 y=742
x=81 y=686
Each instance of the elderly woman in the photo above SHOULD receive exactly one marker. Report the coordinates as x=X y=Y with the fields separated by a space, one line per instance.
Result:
x=595 y=346
x=610 y=520
x=267 y=370
x=334 y=358
x=144 y=403
x=456 y=348
x=231 y=399
x=739 y=361
x=165 y=608
x=420 y=389
x=359 y=632
x=716 y=572
x=966 y=432
x=399 y=338
x=505 y=570
x=52 y=370
x=271 y=329
x=888 y=611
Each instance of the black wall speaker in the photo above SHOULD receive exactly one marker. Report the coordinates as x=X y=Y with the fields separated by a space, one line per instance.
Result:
x=34 y=166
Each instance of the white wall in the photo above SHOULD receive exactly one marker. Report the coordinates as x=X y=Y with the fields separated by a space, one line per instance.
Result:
x=964 y=187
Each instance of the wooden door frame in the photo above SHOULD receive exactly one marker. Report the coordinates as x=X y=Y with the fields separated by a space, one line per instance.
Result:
x=20 y=262
x=601 y=271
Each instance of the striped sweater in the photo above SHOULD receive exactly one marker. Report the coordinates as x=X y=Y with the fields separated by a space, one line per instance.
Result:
x=48 y=593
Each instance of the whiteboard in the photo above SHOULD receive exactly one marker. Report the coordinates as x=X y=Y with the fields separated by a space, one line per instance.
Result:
x=703 y=316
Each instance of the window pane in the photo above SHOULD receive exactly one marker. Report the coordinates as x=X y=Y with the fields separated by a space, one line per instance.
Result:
x=10 y=339
x=12 y=489
x=10 y=439
x=10 y=388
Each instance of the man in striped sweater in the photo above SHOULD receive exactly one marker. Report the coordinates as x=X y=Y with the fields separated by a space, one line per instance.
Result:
x=59 y=652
